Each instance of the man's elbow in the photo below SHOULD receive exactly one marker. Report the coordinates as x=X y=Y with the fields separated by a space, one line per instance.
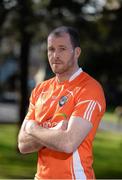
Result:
x=69 y=148
x=22 y=148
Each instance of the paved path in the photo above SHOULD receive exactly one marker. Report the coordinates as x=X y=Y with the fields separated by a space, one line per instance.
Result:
x=9 y=113
x=110 y=126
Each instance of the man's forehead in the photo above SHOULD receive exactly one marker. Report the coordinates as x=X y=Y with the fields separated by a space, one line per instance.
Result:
x=56 y=38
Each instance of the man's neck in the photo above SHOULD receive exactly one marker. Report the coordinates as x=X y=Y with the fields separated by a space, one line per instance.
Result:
x=68 y=76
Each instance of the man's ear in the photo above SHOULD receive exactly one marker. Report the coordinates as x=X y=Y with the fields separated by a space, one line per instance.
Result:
x=77 y=52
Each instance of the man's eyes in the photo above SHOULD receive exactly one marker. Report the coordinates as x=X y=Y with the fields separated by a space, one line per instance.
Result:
x=58 y=50
x=62 y=49
x=51 y=49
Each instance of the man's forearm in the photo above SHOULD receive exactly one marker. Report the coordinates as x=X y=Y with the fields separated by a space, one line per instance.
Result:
x=53 y=139
x=27 y=143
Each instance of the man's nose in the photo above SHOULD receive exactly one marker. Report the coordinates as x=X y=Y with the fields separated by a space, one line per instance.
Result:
x=56 y=54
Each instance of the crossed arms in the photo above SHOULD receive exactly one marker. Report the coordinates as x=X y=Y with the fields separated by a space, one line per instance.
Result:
x=65 y=138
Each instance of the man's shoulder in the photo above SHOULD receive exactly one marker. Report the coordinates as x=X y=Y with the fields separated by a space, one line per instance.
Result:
x=92 y=82
x=44 y=84
x=47 y=82
x=41 y=87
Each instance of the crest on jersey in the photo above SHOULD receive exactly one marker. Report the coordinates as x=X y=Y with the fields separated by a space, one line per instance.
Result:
x=63 y=100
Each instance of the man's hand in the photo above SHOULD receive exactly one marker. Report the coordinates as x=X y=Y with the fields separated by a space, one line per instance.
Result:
x=30 y=125
x=61 y=125
x=26 y=142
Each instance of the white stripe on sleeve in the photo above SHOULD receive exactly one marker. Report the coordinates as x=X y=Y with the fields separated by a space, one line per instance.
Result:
x=89 y=110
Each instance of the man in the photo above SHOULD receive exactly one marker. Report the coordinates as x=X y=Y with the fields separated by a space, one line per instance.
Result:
x=64 y=113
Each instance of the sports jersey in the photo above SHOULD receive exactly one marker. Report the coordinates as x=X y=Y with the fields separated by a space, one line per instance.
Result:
x=50 y=103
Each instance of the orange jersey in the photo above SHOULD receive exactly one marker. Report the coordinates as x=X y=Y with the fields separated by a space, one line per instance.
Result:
x=52 y=102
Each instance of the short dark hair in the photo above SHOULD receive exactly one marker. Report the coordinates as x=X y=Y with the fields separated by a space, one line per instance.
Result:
x=73 y=34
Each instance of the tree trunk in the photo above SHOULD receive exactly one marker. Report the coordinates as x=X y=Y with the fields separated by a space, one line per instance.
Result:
x=25 y=35
x=24 y=63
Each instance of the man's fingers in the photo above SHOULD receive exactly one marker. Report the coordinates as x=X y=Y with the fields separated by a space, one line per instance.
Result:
x=61 y=125
x=29 y=125
x=64 y=125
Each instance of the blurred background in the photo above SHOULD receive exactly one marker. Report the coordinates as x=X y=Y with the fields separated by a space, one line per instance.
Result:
x=24 y=27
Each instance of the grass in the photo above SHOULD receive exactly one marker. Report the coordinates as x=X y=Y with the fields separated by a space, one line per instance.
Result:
x=12 y=163
x=107 y=153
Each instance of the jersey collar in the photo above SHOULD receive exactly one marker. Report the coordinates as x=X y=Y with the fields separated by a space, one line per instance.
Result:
x=78 y=72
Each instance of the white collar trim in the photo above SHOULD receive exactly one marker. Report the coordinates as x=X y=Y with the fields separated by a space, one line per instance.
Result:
x=75 y=74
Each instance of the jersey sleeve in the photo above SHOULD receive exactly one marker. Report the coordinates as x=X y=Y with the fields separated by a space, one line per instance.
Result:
x=32 y=101
x=90 y=104
x=31 y=109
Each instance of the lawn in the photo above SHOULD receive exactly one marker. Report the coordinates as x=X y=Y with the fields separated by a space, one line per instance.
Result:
x=12 y=164
x=108 y=155
x=107 y=151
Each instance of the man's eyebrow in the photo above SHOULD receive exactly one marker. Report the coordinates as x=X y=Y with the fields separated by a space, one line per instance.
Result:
x=62 y=46
x=50 y=46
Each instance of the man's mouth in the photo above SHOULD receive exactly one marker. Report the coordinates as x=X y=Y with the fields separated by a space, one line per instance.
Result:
x=56 y=63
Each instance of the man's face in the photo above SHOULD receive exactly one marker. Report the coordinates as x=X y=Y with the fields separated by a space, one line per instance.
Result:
x=60 y=53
